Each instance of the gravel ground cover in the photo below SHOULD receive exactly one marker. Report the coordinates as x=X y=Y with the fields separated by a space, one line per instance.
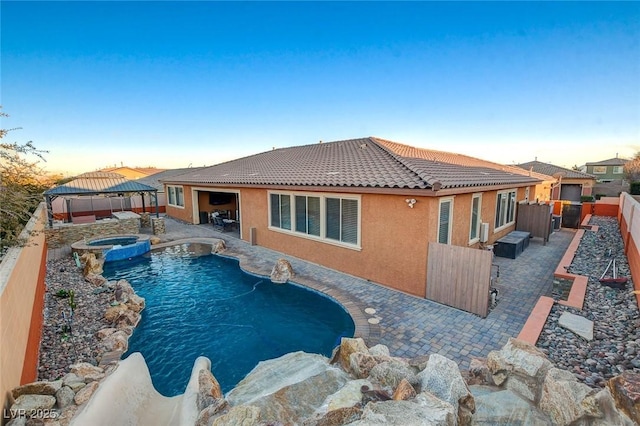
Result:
x=616 y=324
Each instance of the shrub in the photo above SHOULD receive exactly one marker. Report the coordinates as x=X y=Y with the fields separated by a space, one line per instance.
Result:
x=634 y=188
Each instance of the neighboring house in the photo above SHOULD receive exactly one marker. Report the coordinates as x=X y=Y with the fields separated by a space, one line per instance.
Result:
x=155 y=180
x=367 y=207
x=607 y=170
x=567 y=184
x=133 y=172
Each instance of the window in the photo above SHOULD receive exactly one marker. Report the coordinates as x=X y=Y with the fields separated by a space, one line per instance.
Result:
x=342 y=220
x=308 y=215
x=281 y=211
x=445 y=218
x=325 y=217
x=176 y=196
x=618 y=170
x=505 y=208
x=474 y=229
x=599 y=170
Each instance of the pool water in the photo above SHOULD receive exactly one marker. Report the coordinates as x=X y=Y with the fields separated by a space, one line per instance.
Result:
x=122 y=241
x=206 y=305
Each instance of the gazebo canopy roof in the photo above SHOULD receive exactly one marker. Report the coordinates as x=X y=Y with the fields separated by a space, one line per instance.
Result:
x=94 y=183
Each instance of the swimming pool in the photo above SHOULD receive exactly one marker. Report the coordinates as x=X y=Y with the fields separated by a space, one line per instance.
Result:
x=202 y=304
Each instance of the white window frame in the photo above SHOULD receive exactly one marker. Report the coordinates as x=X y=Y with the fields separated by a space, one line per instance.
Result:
x=618 y=170
x=450 y=223
x=509 y=214
x=473 y=240
x=599 y=170
x=175 y=194
x=323 y=217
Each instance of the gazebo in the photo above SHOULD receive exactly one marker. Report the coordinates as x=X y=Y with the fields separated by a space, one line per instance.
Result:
x=98 y=184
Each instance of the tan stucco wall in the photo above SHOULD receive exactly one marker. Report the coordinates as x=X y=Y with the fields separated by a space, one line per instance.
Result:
x=22 y=275
x=394 y=240
x=185 y=214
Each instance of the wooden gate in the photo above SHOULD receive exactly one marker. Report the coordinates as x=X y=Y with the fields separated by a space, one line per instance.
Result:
x=459 y=277
x=535 y=219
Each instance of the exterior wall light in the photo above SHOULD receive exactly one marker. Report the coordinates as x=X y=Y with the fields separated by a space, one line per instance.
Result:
x=410 y=202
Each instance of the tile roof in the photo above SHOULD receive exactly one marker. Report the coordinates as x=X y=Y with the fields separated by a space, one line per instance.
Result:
x=99 y=183
x=610 y=162
x=551 y=170
x=365 y=162
x=156 y=179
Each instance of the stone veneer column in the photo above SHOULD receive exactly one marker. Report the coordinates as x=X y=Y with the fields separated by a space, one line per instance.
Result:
x=145 y=220
x=158 y=225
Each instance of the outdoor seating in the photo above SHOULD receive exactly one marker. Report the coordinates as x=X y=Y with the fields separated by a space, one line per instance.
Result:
x=221 y=224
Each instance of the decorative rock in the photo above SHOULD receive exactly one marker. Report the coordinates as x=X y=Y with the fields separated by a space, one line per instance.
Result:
x=95 y=279
x=219 y=247
x=522 y=361
x=274 y=374
x=91 y=264
x=441 y=377
x=339 y=417
x=118 y=341
x=379 y=350
x=577 y=324
x=347 y=347
x=391 y=373
x=478 y=373
x=428 y=410
x=208 y=389
x=348 y=396
x=128 y=319
x=103 y=333
x=209 y=412
x=71 y=378
x=154 y=240
x=292 y=404
x=30 y=404
x=64 y=397
x=87 y=371
x=404 y=391
x=243 y=415
x=37 y=388
x=135 y=303
x=127 y=290
x=360 y=364
x=505 y=407
x=113 y=313
x=281 y=272
x=76 y=386
x=625 y=390
x=563 y=398
x=85 y=393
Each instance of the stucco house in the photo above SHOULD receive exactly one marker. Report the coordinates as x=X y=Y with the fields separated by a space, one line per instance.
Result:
x=132 y=172
x=607 y=170
x=567 y=184
x=368 y=207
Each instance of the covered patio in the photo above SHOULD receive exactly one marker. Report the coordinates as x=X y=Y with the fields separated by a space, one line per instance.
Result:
x=96 y=195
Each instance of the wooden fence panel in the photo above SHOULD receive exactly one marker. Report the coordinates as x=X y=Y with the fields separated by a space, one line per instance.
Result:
x=459 y=277
x=536 y=219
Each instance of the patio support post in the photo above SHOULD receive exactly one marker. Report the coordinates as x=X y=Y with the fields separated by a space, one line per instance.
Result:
x=143 y=208
x=155 y=197
x=48 y=200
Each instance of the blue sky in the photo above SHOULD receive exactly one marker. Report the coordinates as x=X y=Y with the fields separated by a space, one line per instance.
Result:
x=173 y=84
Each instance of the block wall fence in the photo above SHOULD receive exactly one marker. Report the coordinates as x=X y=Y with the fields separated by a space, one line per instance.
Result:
x=629 y=219
x=22 y=288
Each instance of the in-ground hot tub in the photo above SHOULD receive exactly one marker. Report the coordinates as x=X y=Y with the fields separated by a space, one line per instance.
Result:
x=115 y=247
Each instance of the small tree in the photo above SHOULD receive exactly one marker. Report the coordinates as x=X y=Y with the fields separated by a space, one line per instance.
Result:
x=632 y=169
x=22 y=183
